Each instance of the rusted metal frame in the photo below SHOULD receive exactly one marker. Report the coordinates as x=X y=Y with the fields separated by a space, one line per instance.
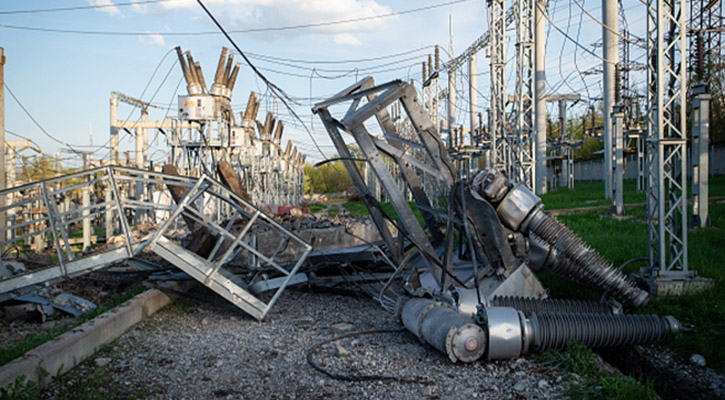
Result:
x=370 y=203
x=52 y=215
x=231 y=248
x=406 y=217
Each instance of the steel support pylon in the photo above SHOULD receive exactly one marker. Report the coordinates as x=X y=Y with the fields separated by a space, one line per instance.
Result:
x=500 y=150
x=666 y=139
x=523 y=147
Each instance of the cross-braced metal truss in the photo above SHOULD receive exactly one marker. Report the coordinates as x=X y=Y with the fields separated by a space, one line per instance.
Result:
x=666 y=137
x=217 y=224
x=500 y=146
x=523 y=144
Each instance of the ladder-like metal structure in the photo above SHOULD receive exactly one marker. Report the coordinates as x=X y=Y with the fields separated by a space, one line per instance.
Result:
x=666 y=138
x=222 y=226
x=523 y=145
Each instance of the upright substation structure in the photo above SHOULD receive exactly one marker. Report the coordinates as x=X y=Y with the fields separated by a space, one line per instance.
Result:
x=466 y=285
x=206 y=133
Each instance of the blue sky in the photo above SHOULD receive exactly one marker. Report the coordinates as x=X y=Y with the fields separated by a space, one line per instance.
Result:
x=65 y=79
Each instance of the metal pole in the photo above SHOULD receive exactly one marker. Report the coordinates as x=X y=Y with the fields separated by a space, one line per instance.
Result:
x=700 y=157
x=500 y=151
x=86 y=218
x=451 y=105
x=114 y=131
x=611 y=56
x=472 y=93
x=618 y=138
x=564 y=180
x=2 y=134
x=666 y=139
x=540 y=95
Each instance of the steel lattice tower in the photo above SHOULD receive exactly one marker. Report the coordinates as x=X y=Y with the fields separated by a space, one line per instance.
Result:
x=666 y=138
x=500 y=149
x=523 y=147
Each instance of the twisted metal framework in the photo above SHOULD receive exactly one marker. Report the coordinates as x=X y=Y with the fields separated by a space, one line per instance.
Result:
x=500 y=149
x=523 y=146
x=220 y=226
x=666 y=138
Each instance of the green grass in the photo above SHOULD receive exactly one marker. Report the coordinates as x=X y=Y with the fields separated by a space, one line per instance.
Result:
x=358 y=209
x=334 y=210
x=315 y=207
x=588 y=194
x=621 y=240
x=589 y=381
x=20 y=347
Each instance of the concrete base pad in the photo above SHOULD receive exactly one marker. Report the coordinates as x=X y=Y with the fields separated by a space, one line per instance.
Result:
x=662 y=287
x=66 y=351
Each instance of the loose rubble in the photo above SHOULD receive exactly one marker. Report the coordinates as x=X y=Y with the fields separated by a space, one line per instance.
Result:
x=175 y=354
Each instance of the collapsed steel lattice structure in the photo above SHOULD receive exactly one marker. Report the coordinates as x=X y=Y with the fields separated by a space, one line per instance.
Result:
x=214 y=224
x=467 y=303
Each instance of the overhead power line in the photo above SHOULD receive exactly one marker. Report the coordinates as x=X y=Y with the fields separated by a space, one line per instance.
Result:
x=38 y=123
x=250 y=30
x=79 y=8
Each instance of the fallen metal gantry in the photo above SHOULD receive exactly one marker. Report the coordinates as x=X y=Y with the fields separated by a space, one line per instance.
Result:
x=44 y=213
x=451 y=296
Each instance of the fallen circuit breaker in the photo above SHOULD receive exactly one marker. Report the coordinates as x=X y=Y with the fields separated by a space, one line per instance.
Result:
x=464 y=281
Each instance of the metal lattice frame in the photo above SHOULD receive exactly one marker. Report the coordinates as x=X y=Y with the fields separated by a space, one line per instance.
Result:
x=666 y=138
x=499 y=145
x=523 y=148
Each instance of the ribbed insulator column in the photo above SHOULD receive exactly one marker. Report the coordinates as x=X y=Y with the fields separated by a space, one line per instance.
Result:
x=555 y=330
x=530 y=305
x=577 y=261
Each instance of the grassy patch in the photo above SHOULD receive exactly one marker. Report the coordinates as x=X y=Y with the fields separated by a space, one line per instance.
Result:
x=20 y=347
x=315 y=207
x=588 y=194
x=621 y=240
x=358 y=209
x=333 y=210
x=589 y=381
x=21 y=389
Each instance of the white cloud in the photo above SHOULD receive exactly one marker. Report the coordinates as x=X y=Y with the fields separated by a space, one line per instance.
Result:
x=152 y=39
x=251 y=14
x=346 y=39
x=111 y=10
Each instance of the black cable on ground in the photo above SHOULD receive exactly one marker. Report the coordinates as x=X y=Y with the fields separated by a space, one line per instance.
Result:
x=361 y=378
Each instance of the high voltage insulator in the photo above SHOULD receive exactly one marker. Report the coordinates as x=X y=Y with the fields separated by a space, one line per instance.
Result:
x=504 y=332
x=520 y=210
x=530 y=305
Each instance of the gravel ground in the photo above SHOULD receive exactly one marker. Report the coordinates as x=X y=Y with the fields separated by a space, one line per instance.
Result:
x=195 y=350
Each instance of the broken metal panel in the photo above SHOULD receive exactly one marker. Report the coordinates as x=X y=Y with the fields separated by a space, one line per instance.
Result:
x=207 y=211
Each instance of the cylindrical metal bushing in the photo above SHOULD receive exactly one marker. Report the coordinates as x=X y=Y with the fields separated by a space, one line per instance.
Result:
x=518 y=204
x=455 y=334
x=505 y=333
